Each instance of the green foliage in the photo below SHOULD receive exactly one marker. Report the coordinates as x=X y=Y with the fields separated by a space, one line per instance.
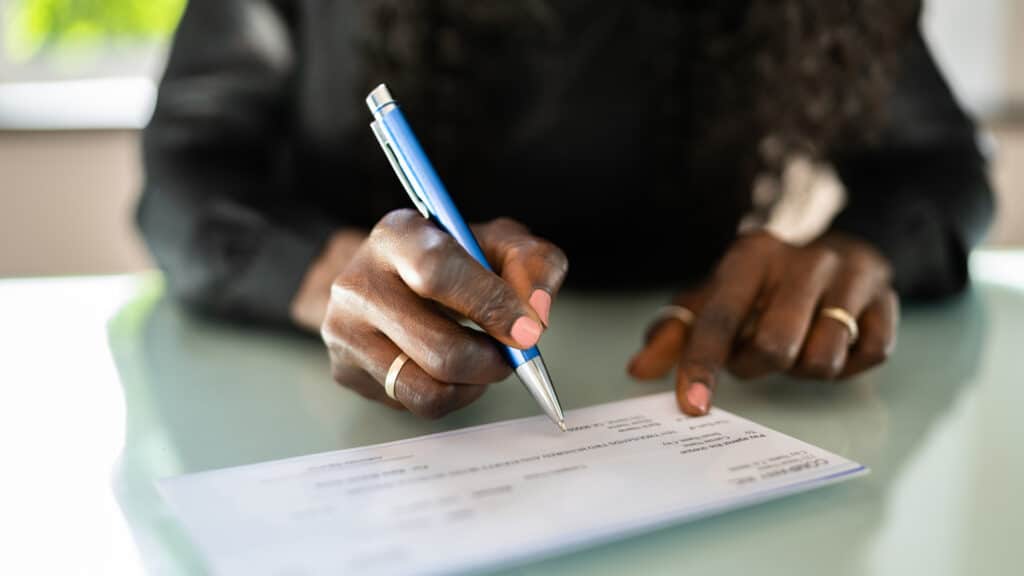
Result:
x=37 y=25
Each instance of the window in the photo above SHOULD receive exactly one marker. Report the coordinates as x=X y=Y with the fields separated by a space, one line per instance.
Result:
x=82 y=63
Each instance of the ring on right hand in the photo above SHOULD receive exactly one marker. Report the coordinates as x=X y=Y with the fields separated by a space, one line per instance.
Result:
x=392 y=377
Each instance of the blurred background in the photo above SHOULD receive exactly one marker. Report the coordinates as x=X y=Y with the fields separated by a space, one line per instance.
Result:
x=77 y=83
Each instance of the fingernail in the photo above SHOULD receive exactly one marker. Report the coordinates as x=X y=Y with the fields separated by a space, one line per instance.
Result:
x=699 y=396
x=541 y=302
x=526 y=332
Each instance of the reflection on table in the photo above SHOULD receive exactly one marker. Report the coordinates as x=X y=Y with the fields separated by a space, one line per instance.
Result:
x=937 y=425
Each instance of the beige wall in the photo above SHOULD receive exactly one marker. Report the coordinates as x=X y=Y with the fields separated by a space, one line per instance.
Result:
x=66 y=203
x=1008 y=176
x=67 y=199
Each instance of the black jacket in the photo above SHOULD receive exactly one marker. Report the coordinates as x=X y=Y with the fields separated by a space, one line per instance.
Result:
x=260 y=146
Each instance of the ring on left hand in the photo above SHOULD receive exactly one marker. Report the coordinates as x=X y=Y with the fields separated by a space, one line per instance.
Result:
x=677 y=312
x=845 y=318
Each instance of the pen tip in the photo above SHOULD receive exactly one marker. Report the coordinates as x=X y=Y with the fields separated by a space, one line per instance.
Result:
x=561 y=424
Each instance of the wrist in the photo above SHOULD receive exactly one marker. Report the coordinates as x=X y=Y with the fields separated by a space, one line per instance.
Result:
x=309 y=304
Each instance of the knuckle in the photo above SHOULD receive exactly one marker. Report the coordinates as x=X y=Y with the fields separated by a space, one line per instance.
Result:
x=434 y=247
x=396 y=220
x=334 y=327
x=778 y=351
x=344 y=336
x=495 y=306
x=496 y=312
x=874 y=352
x=868 y=264
x=550 y=257
x=433 y=266
x=718 y=320
x=341 y=373
x=329 y=327
x=344 y=290
x=505 y=225
x=344 y=357
x=865 y=269
x=436 y=403
x=822 y=367
x=330 y=331
x=348 y=296
x=453 y=362
x=554 y=258
x=700 y=369
x=345 y=371
x=858 y=261
x=823 y=258
x=520 y=250
x=758 y=241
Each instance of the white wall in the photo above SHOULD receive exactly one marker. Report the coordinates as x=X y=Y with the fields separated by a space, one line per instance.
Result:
x=978 y=45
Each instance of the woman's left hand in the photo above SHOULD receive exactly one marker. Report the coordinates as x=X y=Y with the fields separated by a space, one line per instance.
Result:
x=761 y=312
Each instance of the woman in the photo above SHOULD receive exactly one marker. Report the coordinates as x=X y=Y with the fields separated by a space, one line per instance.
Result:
x=630 y=135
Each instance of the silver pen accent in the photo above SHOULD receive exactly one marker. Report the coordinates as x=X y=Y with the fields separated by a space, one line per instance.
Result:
x=534 y=376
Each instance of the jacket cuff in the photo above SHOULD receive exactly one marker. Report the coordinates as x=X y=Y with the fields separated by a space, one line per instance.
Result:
x=275 y=273
x=927 y=262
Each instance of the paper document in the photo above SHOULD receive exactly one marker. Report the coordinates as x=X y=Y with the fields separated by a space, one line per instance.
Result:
x=492 y=495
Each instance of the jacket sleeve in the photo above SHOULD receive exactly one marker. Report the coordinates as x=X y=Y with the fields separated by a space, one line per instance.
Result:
x=921 y=195
x=215 y=207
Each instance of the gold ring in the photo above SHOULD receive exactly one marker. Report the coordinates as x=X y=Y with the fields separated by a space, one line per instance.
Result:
x=681 y=313
x=396 y=367
x=845 y=318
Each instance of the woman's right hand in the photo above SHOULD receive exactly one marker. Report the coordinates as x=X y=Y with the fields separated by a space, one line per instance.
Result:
x=400 y=292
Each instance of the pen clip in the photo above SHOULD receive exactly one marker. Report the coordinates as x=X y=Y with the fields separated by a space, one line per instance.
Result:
x=385 y=144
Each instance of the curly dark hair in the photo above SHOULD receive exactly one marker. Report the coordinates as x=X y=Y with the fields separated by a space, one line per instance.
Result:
x=765 y=77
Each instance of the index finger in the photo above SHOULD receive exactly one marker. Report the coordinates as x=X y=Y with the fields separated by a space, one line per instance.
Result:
x=733 y=292
x=533 y=266
x=435 y=267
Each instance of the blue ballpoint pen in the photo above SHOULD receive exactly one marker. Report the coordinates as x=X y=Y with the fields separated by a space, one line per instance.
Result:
x=421 y=181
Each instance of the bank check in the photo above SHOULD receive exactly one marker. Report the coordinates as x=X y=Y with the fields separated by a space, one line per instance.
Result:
x=492 y=495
